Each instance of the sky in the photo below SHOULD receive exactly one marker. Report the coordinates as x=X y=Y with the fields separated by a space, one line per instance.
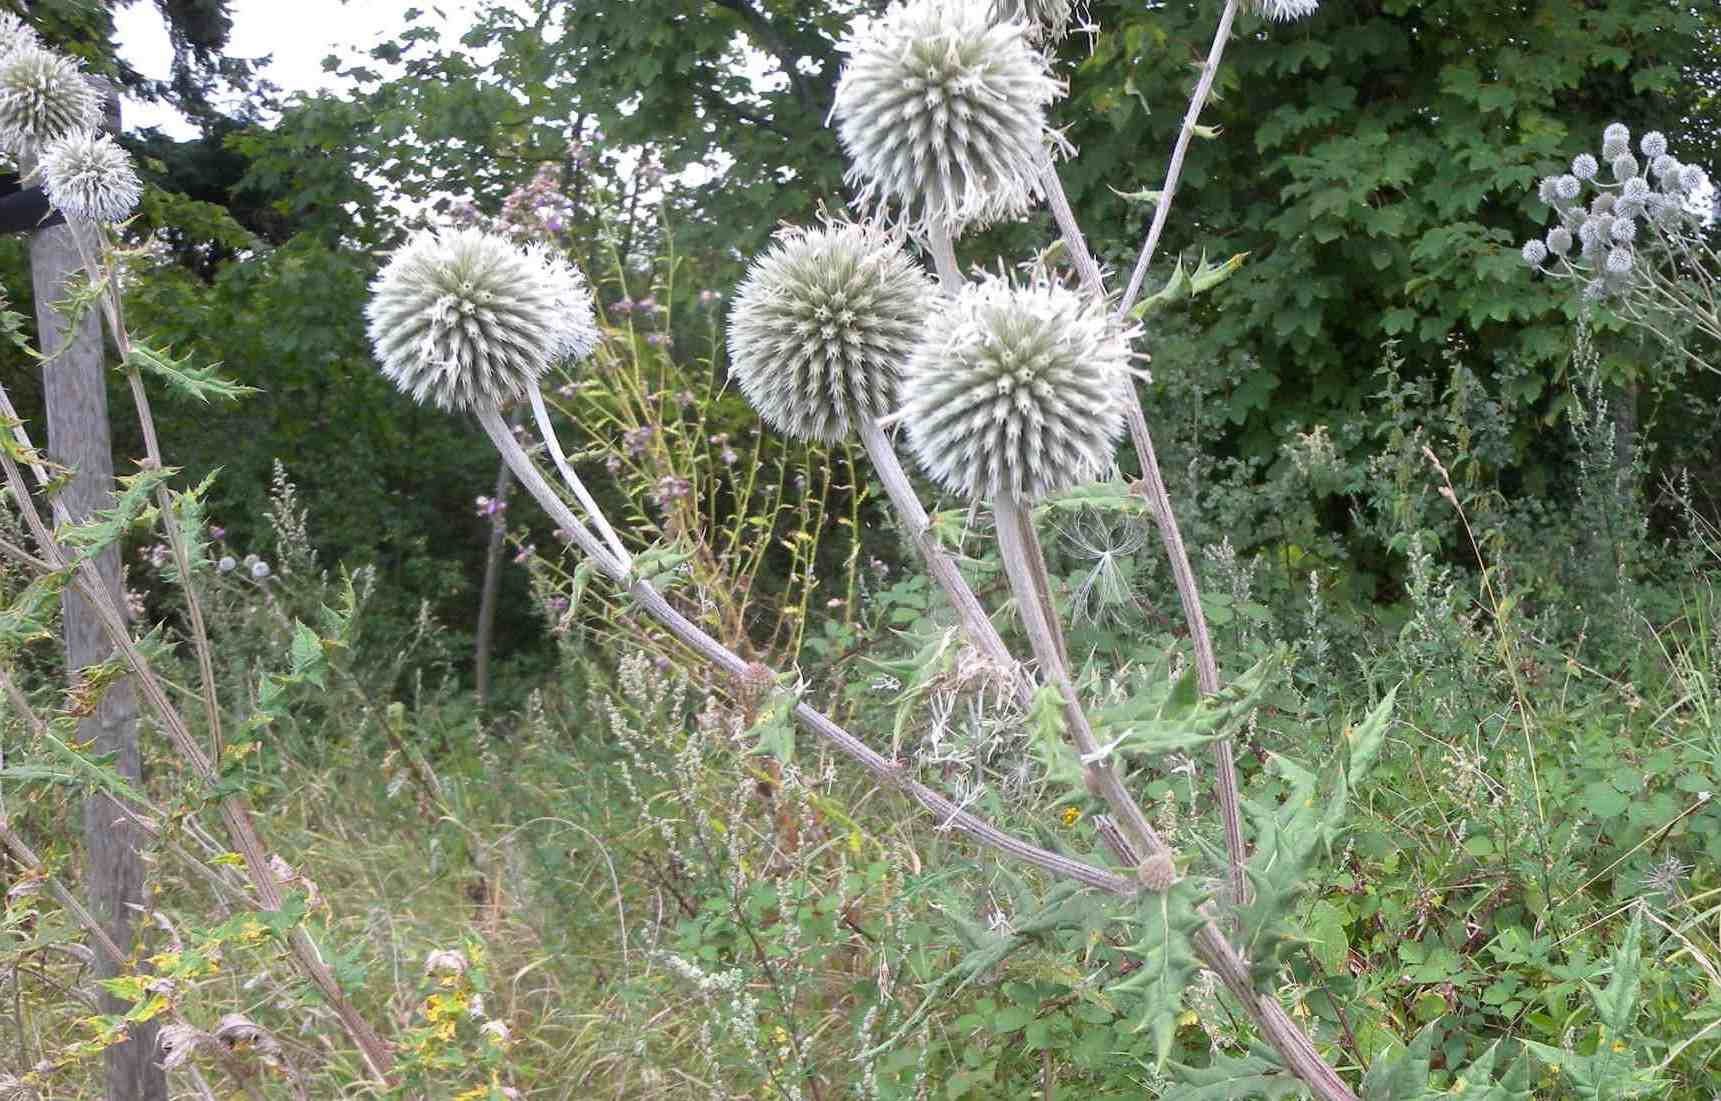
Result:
x=298 y=34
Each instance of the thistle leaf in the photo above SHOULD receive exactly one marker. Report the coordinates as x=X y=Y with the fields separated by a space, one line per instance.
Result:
x=1366 y=738
x=1164 y=921
x=1229 y=1078
x=198 y=383
x=106 y=526
x=1404 y=1076
x=1286 y=838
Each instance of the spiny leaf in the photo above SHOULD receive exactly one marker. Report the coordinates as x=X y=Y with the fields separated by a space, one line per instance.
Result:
x=198 y=383
x=1286 y=838
x=1236 y=1078
x=1184 y=284
x=1162 y=716
x=1164 y=923
x=1476 y=1082
x=1367 y=737
x=1616 y=1005
x=1404 y=1076
x=31 y=615
x=106 y=526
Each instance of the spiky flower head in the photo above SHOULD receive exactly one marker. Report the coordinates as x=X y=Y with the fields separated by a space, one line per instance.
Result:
x=1619 y=260
x=1158 y=873
x=1017 y=391
x=1623 y=230
x=1664 y=166
x=577 y=334
x=1043 y=20
x=1624 y=167
x=1283 y=11
x=1635 y=190
x=15 y=34
x=1559 y=240
x=465 y=319
x=943 y=113
x=1653 y=144
x=1584 y=166
x=1567 y=187
x=1535 y=252
x=1615 y=140
x=43 y=95
x=1692 y=178
x=88 y=175
x=823 y=326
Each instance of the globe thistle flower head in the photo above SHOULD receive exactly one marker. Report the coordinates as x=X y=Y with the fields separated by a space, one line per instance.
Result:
x=15 y=34
x=1584 y=166
x=1602 y=203
x=1283 y=11
x=1635 y=190
x=1017 y=391
x=1042 y=20
x=1567 y=188
x=1692 y=178
x=1623 y=230
x=1559 y=240
x=1625 y=167
x=88 y=175
x=943 y=113
x=43 y=95
x=823 y=326
x=466 y=319
x=1615 y=139
x=1535 y=252
x=1664 y=166
x=1549 y=191
x=1653 y=144
x=577 y=334
x=1619 y=260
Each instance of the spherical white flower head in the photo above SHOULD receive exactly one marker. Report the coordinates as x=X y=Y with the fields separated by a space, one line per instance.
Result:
x=823 y=326
x=1283 y=11
x=577 y=334
x=88 y=175
x=465 y=319
x=43 y=96
x=943 y=113
x=15 y=34
x=1017 y=390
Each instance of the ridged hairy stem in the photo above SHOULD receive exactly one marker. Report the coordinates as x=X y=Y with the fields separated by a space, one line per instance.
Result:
x=1018 y=547
x=950 y=815
x=1152 y=485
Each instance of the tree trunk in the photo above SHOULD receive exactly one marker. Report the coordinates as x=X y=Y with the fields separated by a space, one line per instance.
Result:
x=75 y=387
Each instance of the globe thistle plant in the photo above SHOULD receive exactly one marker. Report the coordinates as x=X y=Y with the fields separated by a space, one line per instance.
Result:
x=822 y=327
x=942 y=112
x=1043 y=20
x=576 y=335
x=464 y=319
x=43 y=95
x=88 y=175
x=1017 y=391
x=1284 y=11
x=15 y=34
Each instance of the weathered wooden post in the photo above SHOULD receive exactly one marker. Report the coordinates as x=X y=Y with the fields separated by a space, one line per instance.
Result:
x=74 y=385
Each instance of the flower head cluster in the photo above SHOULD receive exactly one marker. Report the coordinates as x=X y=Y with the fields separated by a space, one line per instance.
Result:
x=1636 y=204
x=88 y=175
x=1017 y=390
x=15 y=34
x=467 y=319
x=43 y=95
x=822 y=327
x=942 y=111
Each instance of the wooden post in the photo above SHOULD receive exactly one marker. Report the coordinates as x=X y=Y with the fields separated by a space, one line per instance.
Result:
x=74 y=384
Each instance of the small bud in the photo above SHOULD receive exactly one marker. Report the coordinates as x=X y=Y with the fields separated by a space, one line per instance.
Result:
x=1158 y=873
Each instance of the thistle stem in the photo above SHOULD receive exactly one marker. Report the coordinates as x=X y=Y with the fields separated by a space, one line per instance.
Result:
x=1152 y=485
x=548 y=431
x=976 y=624
x=1018 y=546
x=943 y=249
x=689 y=634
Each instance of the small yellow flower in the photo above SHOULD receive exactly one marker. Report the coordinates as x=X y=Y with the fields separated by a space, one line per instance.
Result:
x=1072 y=815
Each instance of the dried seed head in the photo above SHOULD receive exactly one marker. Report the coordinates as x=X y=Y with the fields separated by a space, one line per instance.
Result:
x=43 y=95
x=88 y=175
x=943 y=113
x=1158 y=873
x=465 y=318
x=822 y=327
x=1017 y=390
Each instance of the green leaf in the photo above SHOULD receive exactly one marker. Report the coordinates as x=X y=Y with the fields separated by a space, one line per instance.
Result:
x=198 y=383
x=1366 y=739
x=1163 y=923
x=1235 y=1078
x=1403 y=1076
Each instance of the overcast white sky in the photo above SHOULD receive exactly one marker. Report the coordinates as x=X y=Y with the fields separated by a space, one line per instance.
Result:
x=298 y=34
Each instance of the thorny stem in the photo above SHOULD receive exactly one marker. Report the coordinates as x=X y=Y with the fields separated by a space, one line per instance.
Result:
x=1017 y=546
x=1152 y=485
x=647 y=597
x=1209 y=942
x=234 y=813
